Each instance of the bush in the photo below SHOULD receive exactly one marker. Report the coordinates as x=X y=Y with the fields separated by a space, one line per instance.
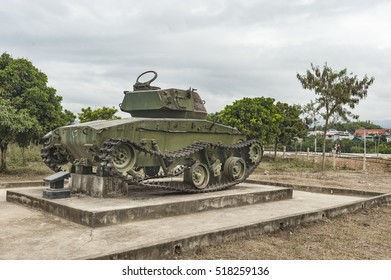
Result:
x=25 y=163
x=385 y=148
x=21 y=156
x=357 y=149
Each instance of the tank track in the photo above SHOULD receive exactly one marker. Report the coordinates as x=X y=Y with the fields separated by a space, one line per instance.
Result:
x=51 y=159
x=106 y=158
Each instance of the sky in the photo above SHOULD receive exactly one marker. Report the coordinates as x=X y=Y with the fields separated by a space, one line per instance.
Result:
x=94 y=50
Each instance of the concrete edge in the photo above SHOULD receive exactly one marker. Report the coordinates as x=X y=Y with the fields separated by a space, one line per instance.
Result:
x=21 y=184
x=324 y=190
x=48 y=206
x=170 y=248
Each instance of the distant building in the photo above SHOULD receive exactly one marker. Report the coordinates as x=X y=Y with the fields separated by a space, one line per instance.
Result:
x=315 y=133
x=371 y=134
x=338 y=135
x=333 y=134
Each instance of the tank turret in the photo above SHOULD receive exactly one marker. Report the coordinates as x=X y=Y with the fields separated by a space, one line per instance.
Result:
x=153 y=102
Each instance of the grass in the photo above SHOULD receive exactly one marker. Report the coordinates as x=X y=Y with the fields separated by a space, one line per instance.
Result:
x=25 y=164
x=297 y=164
x=363 y=235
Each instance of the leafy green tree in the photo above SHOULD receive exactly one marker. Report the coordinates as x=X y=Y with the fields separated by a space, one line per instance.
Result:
x=69 y=117
x=257 y=118
x=337 y=92
x=27 y=88
x=32 y=106
x=214 y=117
x=104 y=113
x=291 y=126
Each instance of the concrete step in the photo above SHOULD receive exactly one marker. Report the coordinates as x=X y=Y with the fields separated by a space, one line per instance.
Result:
x=141 y=204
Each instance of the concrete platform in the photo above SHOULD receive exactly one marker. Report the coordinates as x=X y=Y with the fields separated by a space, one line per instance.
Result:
x=144 y=204
x=27 y=233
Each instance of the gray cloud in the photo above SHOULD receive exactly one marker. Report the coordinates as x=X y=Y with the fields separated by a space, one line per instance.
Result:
x=93 y=50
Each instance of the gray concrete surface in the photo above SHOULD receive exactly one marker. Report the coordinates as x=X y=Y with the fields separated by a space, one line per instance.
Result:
x=143 y=204
x=32 y=234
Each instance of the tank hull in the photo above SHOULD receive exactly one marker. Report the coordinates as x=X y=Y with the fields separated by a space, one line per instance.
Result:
x=83 y=142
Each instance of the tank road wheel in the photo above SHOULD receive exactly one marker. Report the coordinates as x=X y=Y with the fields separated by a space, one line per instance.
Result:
x=255 y=153
x=151 y=171
x=235 y=168
x=124 y=157
x=198 y=175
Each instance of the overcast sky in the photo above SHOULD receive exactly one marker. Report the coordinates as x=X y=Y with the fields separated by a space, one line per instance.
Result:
x=92 y=51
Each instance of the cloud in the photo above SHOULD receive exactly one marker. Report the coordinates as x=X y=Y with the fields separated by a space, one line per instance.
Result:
x=94 y=50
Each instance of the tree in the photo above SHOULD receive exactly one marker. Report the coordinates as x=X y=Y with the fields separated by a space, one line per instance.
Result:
x=104 y=113
x=69 y=117
x=257 y=118
x=337 y=91
x=8 y=129
x=32 y=107
x=291 y=126
x=311 y=115
x=214 y=117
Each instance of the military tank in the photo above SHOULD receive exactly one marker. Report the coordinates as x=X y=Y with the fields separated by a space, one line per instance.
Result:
x=167 y=136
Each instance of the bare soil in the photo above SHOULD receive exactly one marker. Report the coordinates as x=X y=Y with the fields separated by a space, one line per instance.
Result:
x=364 y=235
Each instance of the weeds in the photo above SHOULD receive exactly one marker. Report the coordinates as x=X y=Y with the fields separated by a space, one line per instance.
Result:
x=292 y=164
x=25 y=163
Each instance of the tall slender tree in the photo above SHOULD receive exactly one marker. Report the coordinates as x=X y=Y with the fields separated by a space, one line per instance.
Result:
x=337 y=93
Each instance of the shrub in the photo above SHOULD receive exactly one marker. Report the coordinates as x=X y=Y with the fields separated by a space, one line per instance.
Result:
x=385 y=148
x=357 y=149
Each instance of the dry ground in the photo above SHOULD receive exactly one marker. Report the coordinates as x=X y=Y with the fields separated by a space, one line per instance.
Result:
x=362 y=235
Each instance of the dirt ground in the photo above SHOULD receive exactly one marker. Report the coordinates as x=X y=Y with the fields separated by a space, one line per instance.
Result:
x=364 y=235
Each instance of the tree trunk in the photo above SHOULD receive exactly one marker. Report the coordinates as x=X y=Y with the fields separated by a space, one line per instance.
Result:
x=275 y=149
x=3 y=164
x=324 y=152
x=23 y=156
x=324 y=146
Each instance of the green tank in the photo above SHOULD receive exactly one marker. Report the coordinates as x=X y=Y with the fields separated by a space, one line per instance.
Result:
x=167 y=136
